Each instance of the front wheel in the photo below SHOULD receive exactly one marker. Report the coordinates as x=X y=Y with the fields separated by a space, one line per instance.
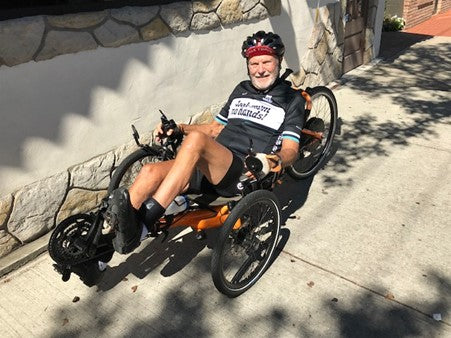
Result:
x=243 y=253
x=317 y=135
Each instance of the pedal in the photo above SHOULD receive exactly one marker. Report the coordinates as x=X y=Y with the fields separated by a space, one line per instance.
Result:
x=65 y=272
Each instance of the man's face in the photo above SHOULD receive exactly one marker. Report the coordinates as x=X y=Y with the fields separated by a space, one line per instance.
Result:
x=263 y=71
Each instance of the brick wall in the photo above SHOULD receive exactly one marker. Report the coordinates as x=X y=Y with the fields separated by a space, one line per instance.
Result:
x=443 y=6
x=417 y=11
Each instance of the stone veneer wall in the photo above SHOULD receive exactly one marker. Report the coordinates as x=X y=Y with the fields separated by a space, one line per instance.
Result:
x=44 y=37
x=35 y=209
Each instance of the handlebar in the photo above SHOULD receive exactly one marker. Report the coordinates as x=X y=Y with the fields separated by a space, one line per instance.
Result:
x=166 y=123
x=170 y=144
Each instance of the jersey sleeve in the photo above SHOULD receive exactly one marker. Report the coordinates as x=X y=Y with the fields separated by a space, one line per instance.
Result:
x=223 y=115
x=294 y=119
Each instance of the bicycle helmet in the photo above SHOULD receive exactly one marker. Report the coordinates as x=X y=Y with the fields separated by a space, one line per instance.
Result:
x=262 y=43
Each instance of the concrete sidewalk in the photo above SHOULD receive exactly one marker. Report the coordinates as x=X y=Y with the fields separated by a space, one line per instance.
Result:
x=365 y=251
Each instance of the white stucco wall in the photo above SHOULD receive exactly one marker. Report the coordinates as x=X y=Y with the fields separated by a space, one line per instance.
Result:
x=64 y=111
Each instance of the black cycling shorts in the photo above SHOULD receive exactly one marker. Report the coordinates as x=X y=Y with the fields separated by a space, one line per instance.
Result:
x=227 y=187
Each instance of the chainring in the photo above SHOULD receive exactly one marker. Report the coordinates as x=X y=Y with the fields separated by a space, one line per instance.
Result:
x=63 y=242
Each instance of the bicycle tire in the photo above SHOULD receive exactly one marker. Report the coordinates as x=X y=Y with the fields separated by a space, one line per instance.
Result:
x=250 y=239
x=128 y=169
x=322 y=117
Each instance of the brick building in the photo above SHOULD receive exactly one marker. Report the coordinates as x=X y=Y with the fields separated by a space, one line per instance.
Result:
x=416 y=11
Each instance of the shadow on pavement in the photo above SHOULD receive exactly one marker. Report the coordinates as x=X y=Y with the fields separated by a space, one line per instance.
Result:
x=373 y=316
x=393 y=43
x=178 y=251
x=418 y=82
x=183 y=312
x=186 y=308
x=292 y=195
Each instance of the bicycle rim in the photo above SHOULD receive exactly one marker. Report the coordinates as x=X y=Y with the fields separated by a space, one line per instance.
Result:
x=247 y=251
x=127 y=171
x=313 y=152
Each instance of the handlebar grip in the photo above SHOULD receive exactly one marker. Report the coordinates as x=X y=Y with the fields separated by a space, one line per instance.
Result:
x=167 y=125
x=253 y=164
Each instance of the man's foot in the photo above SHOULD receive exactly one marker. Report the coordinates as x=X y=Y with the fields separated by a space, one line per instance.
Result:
x=123 y=219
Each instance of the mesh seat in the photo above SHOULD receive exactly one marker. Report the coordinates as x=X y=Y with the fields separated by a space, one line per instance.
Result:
x=209 y=199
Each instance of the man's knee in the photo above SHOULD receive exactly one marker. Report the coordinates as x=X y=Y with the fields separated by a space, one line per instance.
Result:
x=151 y=172
x=195 y=141
x=148 y=170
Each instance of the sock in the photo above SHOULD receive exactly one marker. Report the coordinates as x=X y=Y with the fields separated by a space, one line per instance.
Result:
x=150 y=212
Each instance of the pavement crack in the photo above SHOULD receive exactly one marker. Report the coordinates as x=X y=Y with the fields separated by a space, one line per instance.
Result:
x=431 y=147
x=362 y=286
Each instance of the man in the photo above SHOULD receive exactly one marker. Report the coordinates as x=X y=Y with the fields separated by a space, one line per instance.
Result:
x=265 y=109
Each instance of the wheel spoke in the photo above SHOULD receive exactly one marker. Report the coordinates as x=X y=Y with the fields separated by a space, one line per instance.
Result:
x=321 y=119
x=242 y=270
x=247 y=251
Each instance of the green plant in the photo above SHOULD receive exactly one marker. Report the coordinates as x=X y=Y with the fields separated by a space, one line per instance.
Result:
x=393 y=23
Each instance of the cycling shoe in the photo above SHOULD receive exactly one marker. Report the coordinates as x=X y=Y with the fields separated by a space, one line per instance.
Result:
x=122 y=218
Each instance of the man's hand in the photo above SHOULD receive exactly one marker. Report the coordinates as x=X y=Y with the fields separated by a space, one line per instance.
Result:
x=160 y=134
x=261 y=164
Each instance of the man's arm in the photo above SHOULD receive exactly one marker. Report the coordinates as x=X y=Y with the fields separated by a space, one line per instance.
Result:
x=211 y=129
x=287 y=154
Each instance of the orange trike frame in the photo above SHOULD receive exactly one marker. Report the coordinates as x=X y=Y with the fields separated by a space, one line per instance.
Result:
x=202 y=219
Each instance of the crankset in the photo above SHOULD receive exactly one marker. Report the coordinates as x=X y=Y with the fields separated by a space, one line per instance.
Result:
x=78 y=239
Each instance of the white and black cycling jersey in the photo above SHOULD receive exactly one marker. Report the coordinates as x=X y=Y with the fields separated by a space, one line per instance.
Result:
x=265 y=117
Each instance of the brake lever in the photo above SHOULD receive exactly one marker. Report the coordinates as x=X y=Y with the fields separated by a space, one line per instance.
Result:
x=136 y=136
x=250 y=150
x=167 y=124
x=253 y=164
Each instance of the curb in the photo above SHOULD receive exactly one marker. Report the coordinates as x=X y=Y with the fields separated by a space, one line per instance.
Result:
x=23 y=255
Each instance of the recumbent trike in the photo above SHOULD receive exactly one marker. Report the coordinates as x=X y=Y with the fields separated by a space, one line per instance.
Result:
x=248 y=224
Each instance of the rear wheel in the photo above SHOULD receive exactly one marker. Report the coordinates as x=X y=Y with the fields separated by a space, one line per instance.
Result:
x=321 y=125
x=125 y=174
x=242 y=255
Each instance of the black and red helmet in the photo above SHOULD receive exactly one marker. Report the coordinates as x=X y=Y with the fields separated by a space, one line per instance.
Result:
x=262 y=43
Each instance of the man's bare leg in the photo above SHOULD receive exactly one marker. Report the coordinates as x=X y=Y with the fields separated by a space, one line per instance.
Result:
x=169 y=179
x=198 y=149
x=147 y=182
